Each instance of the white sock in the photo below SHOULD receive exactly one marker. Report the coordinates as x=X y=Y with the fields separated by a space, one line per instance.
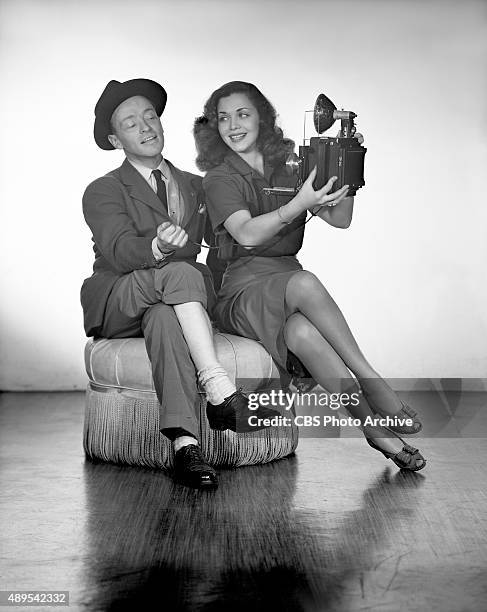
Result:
x=216 y=383
x=184 y=441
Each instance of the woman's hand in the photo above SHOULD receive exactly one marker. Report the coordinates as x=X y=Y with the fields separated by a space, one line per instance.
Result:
x=313 y=200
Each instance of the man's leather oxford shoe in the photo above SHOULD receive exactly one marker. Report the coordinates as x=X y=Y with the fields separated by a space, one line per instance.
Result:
x=234 y=412
x=190 y=468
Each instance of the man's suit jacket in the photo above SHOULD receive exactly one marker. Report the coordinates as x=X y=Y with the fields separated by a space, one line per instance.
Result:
x=123 y=213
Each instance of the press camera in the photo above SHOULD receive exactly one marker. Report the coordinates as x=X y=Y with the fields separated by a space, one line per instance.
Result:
x=342 y=156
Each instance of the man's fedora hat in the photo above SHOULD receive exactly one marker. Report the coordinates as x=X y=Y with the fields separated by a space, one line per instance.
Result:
x=114 y=94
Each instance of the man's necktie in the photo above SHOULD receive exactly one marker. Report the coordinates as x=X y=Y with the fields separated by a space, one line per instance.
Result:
x=161 y=187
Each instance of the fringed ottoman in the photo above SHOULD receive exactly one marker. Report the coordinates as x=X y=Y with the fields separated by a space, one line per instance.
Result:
x=122 y=411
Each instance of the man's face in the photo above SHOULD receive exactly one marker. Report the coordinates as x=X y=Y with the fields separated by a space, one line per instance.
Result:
x=138 y=131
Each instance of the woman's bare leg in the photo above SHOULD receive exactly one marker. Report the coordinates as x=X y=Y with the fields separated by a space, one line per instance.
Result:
x=306 y=294
x=329 y=370
x=198 y=333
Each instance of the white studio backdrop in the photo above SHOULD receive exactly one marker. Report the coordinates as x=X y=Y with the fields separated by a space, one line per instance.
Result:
x=409 y=274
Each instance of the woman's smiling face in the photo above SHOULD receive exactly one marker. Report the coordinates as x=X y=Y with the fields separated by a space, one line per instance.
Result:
x=238 y=123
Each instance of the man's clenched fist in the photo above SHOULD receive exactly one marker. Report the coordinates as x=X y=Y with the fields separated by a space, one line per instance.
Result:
x=170 y=237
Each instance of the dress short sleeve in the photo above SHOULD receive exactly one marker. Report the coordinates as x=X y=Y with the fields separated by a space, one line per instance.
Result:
x=223 y=198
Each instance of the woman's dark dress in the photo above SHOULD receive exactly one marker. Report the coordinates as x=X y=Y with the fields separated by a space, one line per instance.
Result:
x=251 y=299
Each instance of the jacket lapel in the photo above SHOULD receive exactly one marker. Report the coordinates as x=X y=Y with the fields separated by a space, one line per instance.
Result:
x=139 y=189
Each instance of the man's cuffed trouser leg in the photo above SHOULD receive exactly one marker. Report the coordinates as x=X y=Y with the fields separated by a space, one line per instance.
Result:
x=172 y=369
x=141 y=304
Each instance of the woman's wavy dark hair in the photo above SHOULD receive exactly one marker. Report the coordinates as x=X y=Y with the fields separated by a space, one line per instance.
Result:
x=209 y=144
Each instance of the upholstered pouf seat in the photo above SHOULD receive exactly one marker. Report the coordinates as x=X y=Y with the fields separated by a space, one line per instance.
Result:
x=122 y=411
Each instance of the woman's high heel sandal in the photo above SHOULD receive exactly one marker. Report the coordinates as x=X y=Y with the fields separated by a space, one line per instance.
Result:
x=406 y=459
x=406 y=412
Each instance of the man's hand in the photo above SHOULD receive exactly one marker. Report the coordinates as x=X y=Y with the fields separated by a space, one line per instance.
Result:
x=170 y=237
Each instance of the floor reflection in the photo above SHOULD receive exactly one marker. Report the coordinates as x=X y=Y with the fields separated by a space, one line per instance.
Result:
x=329 y=529
x=245 y=546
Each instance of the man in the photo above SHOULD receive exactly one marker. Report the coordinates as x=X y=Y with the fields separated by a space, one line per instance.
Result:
x=147 y=219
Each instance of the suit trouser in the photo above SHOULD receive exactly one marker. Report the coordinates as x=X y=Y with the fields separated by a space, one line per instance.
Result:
x=141 y=303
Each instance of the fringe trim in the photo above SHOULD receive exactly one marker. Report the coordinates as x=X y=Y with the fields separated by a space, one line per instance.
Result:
x=123 y=428
x=226 y=448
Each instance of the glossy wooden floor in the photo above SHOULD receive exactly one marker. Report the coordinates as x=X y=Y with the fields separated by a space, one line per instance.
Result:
x=335 y=527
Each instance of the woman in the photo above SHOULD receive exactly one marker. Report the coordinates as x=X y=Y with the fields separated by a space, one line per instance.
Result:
x=265 y=293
